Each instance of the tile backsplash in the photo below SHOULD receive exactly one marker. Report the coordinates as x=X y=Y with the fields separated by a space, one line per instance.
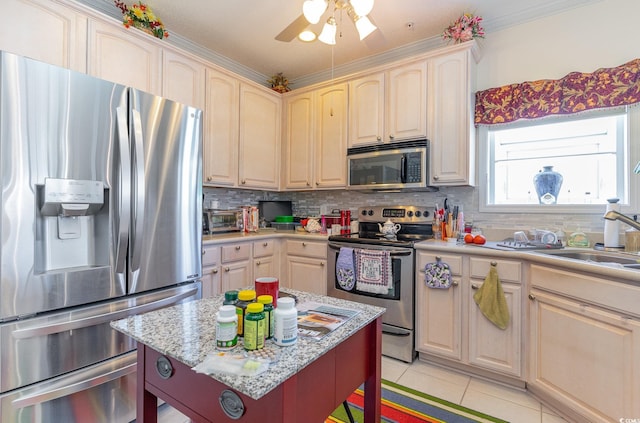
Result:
x=495 y=225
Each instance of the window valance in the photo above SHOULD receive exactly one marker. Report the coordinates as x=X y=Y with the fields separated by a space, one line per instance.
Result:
x=575 y=93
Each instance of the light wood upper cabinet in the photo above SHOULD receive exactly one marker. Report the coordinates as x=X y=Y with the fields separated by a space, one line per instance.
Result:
x=259 y=154
x=183 y=79
x=316 y=139
x=366 y=110
x=46 y=31
x=450 y=116
x=221 y=123
x=122 y=55
x=389 y=106
x=331 y=137
x=298 y=158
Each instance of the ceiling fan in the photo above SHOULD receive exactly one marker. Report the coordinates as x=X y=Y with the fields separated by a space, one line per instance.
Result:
x=312 y=11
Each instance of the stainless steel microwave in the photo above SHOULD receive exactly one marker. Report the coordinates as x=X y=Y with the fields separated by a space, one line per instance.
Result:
x=390 y=166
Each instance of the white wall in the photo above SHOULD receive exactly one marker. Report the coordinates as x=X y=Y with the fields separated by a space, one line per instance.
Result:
x=604 y=34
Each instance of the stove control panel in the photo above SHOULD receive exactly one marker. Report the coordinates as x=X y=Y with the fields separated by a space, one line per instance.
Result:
x=398 y=214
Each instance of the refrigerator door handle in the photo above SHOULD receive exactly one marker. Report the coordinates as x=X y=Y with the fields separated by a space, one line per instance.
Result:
x=96 y=319
x=123 y=194
x=89 y=378
x=139 y=190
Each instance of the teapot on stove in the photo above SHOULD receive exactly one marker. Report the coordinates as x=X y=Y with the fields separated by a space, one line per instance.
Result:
x=389 y=229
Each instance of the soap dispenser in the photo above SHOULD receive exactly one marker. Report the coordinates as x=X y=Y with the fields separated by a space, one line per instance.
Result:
x=612 y=227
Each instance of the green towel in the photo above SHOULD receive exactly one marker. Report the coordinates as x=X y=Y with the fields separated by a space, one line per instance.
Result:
x=490 y=298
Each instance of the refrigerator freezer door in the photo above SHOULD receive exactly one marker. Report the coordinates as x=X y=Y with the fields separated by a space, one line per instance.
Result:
x=166 y=236
x=55 y=123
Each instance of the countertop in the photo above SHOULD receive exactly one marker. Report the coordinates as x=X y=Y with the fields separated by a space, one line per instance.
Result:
x=625 y=275
x=186 y=332
x=230 y=237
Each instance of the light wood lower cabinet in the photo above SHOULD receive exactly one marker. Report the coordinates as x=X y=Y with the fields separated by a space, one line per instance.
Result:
x=266 y=259
x=236 y=266
x=306 y=266
x=451 y=326
x=210 y=271
x=584 y=356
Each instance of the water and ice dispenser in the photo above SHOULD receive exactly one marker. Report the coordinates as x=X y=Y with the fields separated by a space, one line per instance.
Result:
x=72 y=224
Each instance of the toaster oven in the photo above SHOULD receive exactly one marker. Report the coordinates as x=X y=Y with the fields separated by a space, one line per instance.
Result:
x=215 y=221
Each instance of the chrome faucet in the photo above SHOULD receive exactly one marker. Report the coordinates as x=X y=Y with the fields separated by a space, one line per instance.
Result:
x=614 y=215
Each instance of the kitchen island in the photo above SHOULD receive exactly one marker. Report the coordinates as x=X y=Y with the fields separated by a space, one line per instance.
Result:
x=306 y=383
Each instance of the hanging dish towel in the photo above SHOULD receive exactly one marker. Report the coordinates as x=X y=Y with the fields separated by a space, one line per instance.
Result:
x=437 y=274
x=373 y=271
x=491 y=300
x=345 y=273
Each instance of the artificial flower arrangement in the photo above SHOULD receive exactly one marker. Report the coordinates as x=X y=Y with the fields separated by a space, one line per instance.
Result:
x=141 y=16
x=279 y=83
x=465 y=28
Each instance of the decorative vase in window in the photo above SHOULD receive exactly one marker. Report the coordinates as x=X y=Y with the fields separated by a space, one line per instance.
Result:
x=547 y=183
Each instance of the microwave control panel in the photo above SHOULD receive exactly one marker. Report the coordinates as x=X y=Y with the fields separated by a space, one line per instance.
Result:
x=414 y=167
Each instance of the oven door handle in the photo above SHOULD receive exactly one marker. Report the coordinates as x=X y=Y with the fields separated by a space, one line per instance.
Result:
x=399 y=333
x=394 y=253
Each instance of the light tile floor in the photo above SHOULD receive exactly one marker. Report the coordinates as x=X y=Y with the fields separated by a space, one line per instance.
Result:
x=509 y=404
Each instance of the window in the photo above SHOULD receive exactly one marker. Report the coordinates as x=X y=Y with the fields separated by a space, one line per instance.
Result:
x=592 y=153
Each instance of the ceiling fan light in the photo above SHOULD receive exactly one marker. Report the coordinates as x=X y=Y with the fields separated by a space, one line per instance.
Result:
x=307 y=36
x=328 y=34
x=362 y=7
x=365 y=27
x=313 y=10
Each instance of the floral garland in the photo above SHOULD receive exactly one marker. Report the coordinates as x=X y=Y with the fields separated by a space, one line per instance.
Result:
x=465 y=28
x=141 y=16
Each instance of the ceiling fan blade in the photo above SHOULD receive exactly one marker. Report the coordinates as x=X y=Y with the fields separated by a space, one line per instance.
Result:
x=294 y=28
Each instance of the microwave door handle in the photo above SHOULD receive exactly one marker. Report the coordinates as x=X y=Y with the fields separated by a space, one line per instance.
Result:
x=403 y=169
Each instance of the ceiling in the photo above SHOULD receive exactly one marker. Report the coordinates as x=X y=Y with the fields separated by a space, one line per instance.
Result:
x=244 y=30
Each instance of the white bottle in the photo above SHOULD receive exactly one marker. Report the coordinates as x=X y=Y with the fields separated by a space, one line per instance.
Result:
x=285 y=322
x=226 y=327
x=612 y=227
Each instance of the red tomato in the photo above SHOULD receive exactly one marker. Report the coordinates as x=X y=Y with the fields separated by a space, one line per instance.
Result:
x=468 y=239
x=479 y=239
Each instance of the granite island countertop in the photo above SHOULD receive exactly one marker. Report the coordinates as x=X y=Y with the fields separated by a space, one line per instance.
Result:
x=186 y=332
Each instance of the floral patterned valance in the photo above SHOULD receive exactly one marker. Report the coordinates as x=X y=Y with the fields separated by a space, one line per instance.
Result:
x=575 y=93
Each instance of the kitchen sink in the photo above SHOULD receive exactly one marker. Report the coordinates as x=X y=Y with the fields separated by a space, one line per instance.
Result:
x=603 y=257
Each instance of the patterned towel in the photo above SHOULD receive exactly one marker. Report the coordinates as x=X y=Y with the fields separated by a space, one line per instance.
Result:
x=373 y=271
x=345 y=273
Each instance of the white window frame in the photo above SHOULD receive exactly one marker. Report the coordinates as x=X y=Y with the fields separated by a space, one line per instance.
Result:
x=633 y=188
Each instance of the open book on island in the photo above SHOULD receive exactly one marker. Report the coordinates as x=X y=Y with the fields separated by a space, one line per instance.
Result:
x=315 y=320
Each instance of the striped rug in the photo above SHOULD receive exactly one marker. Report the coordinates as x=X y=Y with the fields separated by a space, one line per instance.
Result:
x=405 y=405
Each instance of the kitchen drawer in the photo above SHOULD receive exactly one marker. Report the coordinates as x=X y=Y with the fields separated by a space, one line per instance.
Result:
x=236 y=252
x=454 y=262
x=307 y=248
x=264 y=248
x=210 y=256
x=508 y=271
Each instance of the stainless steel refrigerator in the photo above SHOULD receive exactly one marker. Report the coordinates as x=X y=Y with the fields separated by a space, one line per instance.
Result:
x=101 y=219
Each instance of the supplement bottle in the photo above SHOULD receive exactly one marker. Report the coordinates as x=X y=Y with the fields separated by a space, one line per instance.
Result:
x=254 y=325
x=226 y=327
x=230 y=298
x=267 y=301
x=286 y=322
x=245 y=297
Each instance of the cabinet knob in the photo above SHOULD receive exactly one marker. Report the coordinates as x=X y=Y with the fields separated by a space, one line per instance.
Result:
x=322 y=263
x=258 y=263
x=204 y=252
x=304 y=244
x=532 y=297
x=214 y=270
x=308 y=184
x=265 y=244
x=391 y=137
x=237 y=247
x=317 y=184
x=379 y=138
x=474 y=286
x=243 y=182
x=454 y=283
x=226 y=269
x=436 y=177
x=209 y=179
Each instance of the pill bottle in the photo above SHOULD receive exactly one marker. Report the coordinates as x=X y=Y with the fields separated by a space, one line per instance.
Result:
x=245 y=297
x=267 y=301
x=226 y=327
x=254 y=327
x=230 y=298
x=285 y=322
